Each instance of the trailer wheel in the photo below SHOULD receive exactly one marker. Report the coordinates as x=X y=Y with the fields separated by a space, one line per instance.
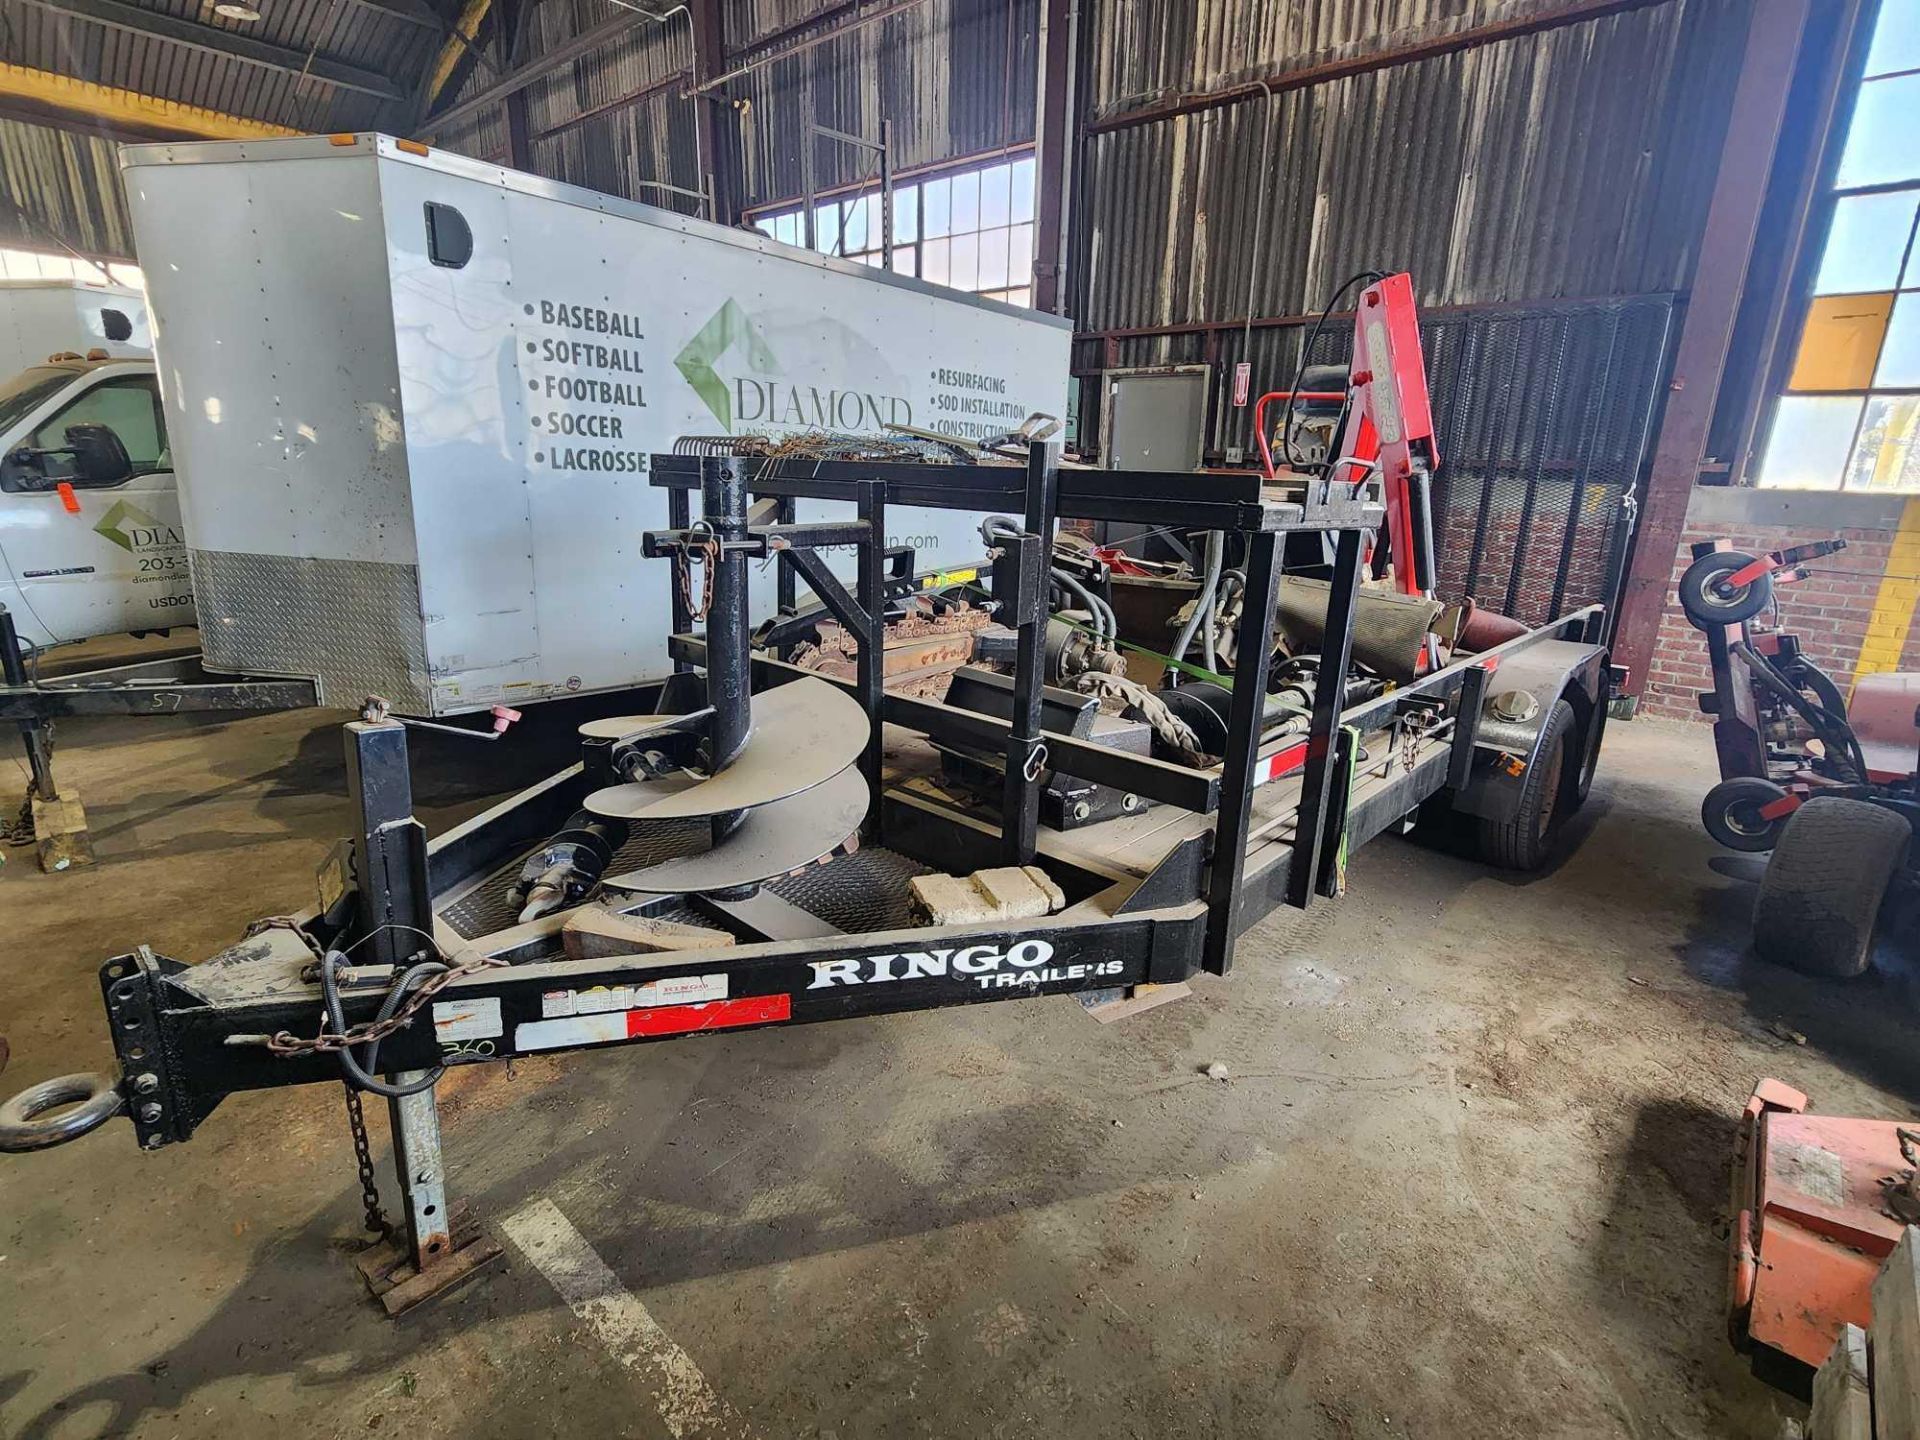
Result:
x=1731 y=813
x=1590 y=760
x=1709 y=602
x=1526 y=841
x=1820 y=899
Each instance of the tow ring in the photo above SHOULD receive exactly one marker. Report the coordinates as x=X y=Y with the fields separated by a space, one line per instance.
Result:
x=95 y=1099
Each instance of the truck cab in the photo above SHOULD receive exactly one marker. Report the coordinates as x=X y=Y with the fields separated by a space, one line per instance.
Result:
x=90 y=534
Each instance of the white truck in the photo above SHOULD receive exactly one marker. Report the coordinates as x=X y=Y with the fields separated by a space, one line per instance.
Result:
x=413 y=397
x=90 y=540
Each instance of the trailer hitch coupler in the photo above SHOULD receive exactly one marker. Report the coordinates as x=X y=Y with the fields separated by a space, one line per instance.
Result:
x=94 y=1098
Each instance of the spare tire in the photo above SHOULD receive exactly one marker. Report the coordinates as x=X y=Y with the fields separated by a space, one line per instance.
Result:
x=1820 y=899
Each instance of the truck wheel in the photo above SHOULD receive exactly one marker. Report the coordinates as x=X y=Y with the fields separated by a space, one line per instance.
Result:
x=1707 y=600
x=1820 y=899
x=1526 y=841
x=1731 y=813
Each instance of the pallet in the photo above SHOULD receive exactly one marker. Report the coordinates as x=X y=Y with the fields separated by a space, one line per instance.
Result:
x=1869 y=1387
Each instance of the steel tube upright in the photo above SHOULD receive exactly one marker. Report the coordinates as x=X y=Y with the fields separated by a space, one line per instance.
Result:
x=723 y=501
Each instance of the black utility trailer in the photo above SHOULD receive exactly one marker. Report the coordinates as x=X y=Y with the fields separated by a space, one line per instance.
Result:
x=421 y=956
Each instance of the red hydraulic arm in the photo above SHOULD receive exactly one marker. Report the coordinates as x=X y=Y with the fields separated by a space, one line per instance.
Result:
x=1388 y=425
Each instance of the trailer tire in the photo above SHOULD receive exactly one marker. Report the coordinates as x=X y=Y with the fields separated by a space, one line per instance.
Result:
x=1590 y=756
x=1731 y=813
x=1820 y=900
x=1708 y=605
x=1526 y=842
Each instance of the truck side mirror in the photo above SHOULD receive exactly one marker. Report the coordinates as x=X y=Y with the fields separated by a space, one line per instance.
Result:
x=99 y=455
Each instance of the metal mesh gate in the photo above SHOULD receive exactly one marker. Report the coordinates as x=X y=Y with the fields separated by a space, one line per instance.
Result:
x=1544 y=420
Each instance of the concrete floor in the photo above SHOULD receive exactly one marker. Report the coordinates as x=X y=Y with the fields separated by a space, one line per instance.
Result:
x=1466 y=1178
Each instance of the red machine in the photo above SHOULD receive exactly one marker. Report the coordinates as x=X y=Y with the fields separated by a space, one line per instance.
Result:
x=1383 y=422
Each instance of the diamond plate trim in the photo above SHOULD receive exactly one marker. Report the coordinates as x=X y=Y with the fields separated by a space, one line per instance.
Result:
x=352 y=626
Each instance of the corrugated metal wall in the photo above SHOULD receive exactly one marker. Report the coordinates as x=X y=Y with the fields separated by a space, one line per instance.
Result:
x=956 y=78
x=61 y=185
x=1572 y=162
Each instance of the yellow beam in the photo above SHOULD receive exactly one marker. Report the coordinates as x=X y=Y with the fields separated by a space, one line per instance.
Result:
x=466 y=28
x=109 y=107
x=1897 y=599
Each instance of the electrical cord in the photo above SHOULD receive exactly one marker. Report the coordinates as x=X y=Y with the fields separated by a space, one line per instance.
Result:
x=359 y=1069
x=1363 y=277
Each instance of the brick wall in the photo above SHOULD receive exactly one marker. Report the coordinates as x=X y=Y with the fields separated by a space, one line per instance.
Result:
x=1831 y=610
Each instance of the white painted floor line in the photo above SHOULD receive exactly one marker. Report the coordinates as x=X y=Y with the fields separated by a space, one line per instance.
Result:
x=688 y=1404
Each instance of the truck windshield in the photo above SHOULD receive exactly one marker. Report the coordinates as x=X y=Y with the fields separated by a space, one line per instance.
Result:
x=26 y=390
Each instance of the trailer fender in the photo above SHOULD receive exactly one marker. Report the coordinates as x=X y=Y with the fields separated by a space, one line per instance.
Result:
x=1510 y=729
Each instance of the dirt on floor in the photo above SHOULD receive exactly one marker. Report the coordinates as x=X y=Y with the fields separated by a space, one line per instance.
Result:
x=1466 y=1174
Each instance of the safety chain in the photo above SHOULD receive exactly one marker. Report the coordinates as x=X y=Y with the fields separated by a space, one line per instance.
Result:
x=286 y=1043
x=708 y=548
x=20 y=831
x=377 y=1222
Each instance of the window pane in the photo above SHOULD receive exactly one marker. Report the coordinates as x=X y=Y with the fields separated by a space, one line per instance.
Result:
x=1887 y=454
x=963 y=268
x=906 y=214
x=130 y=408
x=787 y=227
x=1866 y=244
x=966 y=203
x=1023 y=187
x=826 y=226
x=1880 y=145
x=995 y=197
x=1021 y=296
x=1020 y=254
x=1807 y=448
x=1896 y=39
x=1900 y=360
x=936 y=200
x=766 y=227
x=903 y=260
x=934 y=259
x=855 y=215
x=993 y=259
x=1841 y=342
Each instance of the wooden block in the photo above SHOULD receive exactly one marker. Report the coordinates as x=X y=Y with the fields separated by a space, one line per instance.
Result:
x=1143 y=998
x=593 y=932
x=1842 y=1398
x=1896 y=1340
x=949 y=900
x=60 y=835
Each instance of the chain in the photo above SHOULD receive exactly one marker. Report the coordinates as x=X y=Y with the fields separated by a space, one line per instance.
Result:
x=286 y=1043
x=708 y=548
x=20 y=831
x=377 y=1222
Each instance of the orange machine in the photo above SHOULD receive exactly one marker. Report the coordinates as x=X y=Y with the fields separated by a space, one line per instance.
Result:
x=1819 y=1202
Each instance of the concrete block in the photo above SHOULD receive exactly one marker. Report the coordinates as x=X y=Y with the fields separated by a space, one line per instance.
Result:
x=1006 y=892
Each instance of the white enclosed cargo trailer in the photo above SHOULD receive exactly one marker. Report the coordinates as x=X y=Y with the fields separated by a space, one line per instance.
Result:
x=413 y=396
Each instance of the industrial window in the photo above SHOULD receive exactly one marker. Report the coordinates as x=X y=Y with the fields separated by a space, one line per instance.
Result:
x=1850 y=419
x=37 y=265
x=971 y=230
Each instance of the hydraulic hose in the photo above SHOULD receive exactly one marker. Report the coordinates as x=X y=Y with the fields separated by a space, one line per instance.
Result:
x=359 y=1071
x=1203 y=602
x=1832 y=729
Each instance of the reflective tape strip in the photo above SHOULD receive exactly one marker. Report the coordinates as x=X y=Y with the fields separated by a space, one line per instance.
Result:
x=658 y=1020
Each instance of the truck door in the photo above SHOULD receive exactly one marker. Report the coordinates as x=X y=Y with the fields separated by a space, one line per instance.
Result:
x=94 y=558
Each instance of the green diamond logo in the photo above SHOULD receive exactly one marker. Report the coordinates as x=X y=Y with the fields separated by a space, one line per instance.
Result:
x=728 y=327
x=118 y=520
